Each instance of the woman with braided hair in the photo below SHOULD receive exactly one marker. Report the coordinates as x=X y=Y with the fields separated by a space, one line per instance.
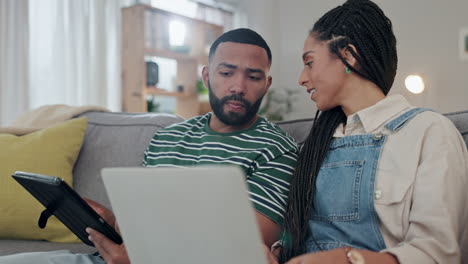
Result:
x=377 y=181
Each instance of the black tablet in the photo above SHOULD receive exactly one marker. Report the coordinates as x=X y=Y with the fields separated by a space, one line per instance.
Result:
x=62 y=201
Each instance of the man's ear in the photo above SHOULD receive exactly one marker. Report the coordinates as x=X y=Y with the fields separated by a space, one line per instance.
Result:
x=269 y=82
x=205 y=76
x=348 y=56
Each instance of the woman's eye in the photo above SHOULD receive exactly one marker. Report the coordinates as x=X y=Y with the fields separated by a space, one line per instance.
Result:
x=225 y=73
x=308 y=64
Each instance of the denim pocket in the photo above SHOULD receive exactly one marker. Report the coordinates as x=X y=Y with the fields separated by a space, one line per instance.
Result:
x=337 y=191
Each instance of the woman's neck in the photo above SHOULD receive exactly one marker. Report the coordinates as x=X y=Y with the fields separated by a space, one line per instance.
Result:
x=361 y=95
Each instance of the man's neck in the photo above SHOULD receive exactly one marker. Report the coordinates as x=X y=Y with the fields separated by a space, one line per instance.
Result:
x=219 y=127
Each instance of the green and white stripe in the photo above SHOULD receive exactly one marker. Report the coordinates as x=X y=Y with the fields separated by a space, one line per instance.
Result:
x=265 y=153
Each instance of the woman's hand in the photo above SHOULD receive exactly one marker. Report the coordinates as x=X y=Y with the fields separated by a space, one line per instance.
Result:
x=340 y=255
x=272 y=259
x=335 y=256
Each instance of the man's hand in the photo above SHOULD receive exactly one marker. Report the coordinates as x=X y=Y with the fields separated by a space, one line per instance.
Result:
x=269 y=229
x=105 y=213
x=111 y=252
x=339 y=255
x=272 y=259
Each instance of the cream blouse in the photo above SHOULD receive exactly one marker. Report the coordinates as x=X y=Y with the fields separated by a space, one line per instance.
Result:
x=421 y=189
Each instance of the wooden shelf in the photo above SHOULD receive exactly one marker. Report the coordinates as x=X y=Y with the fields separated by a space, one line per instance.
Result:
x=145 y=33
x=158 y=91
x=179 y=16
x=169 y=54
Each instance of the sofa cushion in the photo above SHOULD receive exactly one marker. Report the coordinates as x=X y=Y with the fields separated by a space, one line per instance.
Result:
x=460 y=120
x=114 y=140
x=8 y=247
x=299 y=129
x=51 y=151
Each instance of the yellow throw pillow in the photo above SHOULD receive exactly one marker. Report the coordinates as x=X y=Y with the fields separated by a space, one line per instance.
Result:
x=51 y=151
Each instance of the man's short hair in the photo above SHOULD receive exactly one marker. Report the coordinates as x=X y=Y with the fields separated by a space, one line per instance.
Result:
x=241 y=35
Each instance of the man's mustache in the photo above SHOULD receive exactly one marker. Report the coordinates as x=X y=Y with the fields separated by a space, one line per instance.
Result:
x=236 y=97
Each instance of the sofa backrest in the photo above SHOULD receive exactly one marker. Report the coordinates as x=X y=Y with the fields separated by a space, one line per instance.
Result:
x=114 y=140
x=299 y=129
x=460 y=120
x=119 y=140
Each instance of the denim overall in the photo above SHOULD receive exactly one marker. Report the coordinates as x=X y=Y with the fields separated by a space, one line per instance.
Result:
x=344 y=213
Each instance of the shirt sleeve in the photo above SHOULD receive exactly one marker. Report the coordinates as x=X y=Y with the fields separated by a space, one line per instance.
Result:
x=145 y=158
x=439 y=206
x=148 y=149
x=269 y=186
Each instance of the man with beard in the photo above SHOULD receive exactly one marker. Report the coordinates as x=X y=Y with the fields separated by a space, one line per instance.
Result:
x=237 y=77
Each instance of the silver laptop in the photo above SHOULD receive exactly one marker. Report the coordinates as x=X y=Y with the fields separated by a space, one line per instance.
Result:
x=198 y=215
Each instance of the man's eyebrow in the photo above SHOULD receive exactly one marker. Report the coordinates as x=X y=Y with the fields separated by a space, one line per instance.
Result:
x=306 y=53
x=227 y=65
x=249 y=70
x=252 y=70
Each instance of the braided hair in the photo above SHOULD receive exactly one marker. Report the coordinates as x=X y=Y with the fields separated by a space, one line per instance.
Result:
x=363 y=24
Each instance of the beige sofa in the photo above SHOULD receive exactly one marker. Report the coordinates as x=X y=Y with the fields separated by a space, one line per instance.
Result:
x=119 y=140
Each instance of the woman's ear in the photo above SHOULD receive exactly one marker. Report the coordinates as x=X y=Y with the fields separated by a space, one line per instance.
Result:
x=348 y=55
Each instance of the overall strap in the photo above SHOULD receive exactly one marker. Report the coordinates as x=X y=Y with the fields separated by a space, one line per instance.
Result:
x=397 y=123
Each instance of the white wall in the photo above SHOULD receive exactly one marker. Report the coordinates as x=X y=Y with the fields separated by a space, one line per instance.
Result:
x=427 y=34
x=261 y=16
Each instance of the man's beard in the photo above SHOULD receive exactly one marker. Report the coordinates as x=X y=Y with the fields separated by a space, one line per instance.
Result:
x=233 y=118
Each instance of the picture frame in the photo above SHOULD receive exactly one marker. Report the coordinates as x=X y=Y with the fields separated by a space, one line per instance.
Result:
x=463 y=44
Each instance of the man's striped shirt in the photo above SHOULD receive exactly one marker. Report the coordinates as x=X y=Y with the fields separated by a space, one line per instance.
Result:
x=266 y=154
